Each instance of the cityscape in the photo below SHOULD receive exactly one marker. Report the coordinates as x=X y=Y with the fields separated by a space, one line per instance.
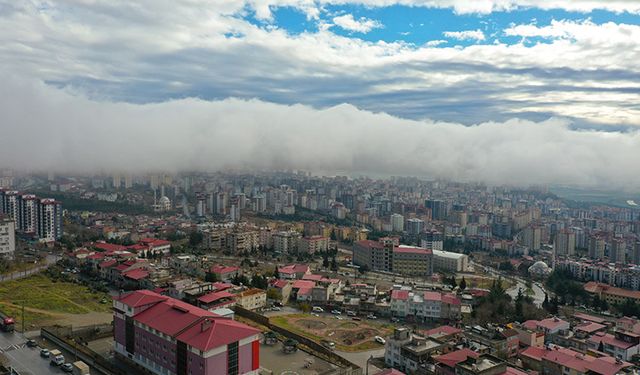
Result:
x=320 y=187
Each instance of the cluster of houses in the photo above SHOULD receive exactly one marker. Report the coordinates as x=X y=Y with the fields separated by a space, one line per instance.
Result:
x=579 y=345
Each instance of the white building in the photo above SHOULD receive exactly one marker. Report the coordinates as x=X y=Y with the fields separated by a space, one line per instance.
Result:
x=397 y=223
x=49 y=220
x=7 y=237
x=448 y=261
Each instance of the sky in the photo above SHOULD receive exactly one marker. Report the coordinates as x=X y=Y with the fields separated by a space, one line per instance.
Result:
x=503 y=91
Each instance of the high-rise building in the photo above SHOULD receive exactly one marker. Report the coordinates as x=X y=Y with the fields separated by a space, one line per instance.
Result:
x=10 y=205
x=438 y=209
x=28 y=206
x=565 y=244
x=618 y=251
x=7 y=237
x=433 y=240
x=531 y=237
x=117 y=181
x=222 y=199
x=201 y=204
x=49 y=220
x=596 y=247
x=397 y=223
x=415 y=226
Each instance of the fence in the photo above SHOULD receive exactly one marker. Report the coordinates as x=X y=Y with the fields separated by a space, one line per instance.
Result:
x=348 y=368
x=88 y=356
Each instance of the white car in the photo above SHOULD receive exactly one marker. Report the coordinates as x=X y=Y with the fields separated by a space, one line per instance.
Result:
x=336 y=312
x=379 y=340
x=317 y=309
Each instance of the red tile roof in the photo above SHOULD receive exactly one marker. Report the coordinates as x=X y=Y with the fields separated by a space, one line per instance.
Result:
x=294 y=268
x=610 y=339
x=136 y=274
x=224 y=269
x=141 y=298
x=453 y=358
x=566 y=357
x=370 y=243
x=432 y=296
x=109 y=247
x=411 y=250
x=192 y=325
x=401 y=295
x=215 y=296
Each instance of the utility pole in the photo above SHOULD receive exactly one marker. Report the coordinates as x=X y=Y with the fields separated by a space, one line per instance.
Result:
x=23 y=317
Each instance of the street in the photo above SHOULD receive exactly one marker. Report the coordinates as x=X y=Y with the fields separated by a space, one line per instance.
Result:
x=25 y=360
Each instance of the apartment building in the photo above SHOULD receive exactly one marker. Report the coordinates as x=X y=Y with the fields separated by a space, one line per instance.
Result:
x=167 y=336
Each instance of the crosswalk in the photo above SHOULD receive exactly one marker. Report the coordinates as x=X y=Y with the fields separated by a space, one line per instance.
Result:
x=12 y=347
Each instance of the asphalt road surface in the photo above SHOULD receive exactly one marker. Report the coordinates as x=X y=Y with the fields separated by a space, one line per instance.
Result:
x=25 y=360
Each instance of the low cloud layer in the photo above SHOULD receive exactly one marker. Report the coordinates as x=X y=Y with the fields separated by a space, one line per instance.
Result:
x=48 y=128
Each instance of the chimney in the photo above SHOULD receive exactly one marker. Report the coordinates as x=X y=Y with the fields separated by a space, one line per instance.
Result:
x=205 y=325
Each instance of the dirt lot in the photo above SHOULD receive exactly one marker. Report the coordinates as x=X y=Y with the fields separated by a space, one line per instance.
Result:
x=348 y=335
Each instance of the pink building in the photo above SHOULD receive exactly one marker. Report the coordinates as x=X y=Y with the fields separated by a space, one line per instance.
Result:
x=168 y=336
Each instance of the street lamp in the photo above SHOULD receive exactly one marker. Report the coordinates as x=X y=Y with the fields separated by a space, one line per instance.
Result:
x=368 y=360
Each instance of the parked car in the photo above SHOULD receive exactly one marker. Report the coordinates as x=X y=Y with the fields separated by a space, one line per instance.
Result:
x=276 y=309
x=316 y=315
x=32 y=343
x=317 y=309
x=351 y=313
x=395 y=320
x=339 y=317
x=380 y=340
x=336 y=312
x=67 y=367
x=57 y=360
x=44 y=353
x=356 y=318
x=372 y=317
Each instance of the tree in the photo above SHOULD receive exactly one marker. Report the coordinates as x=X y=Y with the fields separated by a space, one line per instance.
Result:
x=305 y=307
x=452 y=282
x=276 y=273
x=273 y=294
x=601 y=347
x=195 y=238
x=211 y=277
x=334 y=264
x=463 y=284
x=325 y=259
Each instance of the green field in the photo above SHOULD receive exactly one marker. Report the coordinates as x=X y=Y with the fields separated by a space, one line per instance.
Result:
x=41 y=293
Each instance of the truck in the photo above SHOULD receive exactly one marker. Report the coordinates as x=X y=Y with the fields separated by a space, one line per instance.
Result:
x=57 y=359
x=7 y=323
x=80 y=368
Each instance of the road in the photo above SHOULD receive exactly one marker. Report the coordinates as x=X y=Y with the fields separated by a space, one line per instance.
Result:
x=25 y=360
x=538 y=292
x=49 y=260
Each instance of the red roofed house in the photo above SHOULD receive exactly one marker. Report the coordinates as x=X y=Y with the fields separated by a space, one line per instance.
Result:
x=619 y=345
x=217 y=299
x=446 y=363
x=224 y=273
x=167 y=336
x=560 y=360
x=157 y=246
x=294 y=271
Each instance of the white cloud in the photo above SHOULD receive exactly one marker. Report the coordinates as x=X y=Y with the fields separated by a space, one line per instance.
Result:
x=459 y=6
x=435 y=43
x=362 y=25
x=72 y=133
x=477 y=35
x=158 y=50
